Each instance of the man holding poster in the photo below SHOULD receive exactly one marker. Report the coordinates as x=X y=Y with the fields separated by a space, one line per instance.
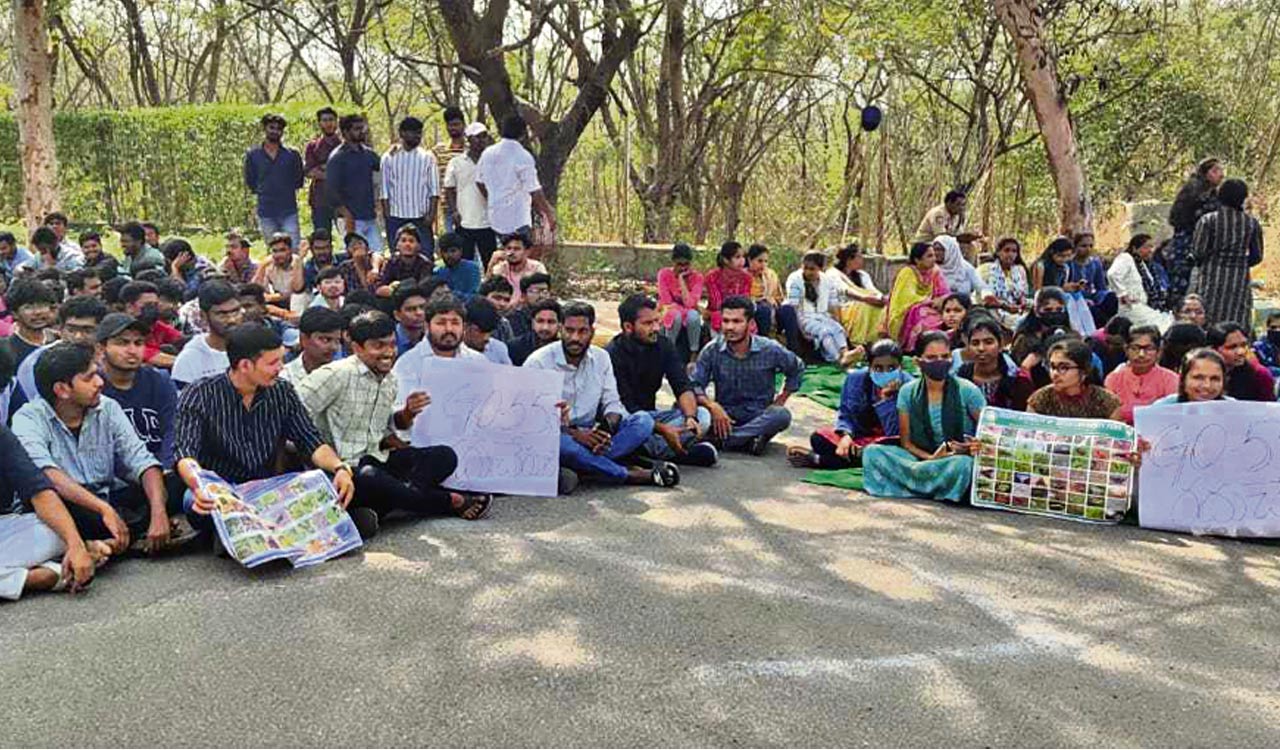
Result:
x=352 y=403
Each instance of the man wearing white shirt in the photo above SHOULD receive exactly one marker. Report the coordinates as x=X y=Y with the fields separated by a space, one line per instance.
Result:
x=507 y=177
x=464 y=203
x=446 y=319
x=597 y=445
x=410 y=185
x=206 y=355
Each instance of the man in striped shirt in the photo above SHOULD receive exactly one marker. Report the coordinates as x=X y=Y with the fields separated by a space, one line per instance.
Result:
x=234 y=423
x=410 y=185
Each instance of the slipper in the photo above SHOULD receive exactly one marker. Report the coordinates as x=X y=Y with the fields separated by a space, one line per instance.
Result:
x=801 y=457
x=665 y=474
x=474 y=507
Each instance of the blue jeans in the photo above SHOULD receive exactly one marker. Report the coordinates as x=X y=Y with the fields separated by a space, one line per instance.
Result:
x=656 y=447
x=424 y=234
x=770 y=422
x=287 y=224
x=632 y=433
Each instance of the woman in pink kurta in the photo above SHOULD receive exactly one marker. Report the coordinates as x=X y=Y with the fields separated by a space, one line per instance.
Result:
x=1141 y=380
x=729 y=278
x=679 y=302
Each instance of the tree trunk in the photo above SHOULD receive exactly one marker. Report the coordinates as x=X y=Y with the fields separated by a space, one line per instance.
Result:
x=34 y=113
x=733 y=192
x=140 y=49
x=1021 y=20
x=658 y=207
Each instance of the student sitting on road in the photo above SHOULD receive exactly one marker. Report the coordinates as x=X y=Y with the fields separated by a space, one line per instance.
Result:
x=1246 y=379
x=352 y=403
x=641 y=359
x=321 y=330
x=145 y=394
x=1071 y=394
x=868 y=413
x=545 y=318
x=498 y=291
x=482 y=321
x=533 y=289
x=745 y=413
x=85 y=445
x=1141 y=381
x=206 y=355
x=600 y=434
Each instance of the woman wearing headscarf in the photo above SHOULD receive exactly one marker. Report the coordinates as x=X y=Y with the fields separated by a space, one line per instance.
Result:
x=961 y=276
x=1196 y=198
x=937 y=417
x=915 y=303
x=1141 y=284
x=1226 y=244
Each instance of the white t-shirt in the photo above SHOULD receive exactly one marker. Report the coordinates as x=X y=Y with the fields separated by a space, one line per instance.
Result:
x=461 y=175
x=509 y=175
x=198 y=360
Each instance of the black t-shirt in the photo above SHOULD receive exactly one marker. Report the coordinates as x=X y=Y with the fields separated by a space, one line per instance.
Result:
x=19 y=347
x=19 y=477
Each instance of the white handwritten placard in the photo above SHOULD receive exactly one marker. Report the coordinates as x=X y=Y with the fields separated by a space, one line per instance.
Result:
x=1213 y=468
x=501 y=421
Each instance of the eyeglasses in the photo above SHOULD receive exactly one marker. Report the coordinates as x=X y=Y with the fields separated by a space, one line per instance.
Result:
x=1062 y=368
x=1148 y=349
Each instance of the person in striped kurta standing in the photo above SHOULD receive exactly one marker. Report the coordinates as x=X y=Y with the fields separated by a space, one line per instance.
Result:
x=410 y=185
x=1226 y=244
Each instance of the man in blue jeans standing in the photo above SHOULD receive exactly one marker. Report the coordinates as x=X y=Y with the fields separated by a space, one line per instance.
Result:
x=349 y=178
x=600 y=434
x=273 y=172
x=745 y=413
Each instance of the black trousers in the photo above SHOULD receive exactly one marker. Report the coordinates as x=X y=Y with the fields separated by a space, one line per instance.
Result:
x=131 y=503
x=409 y=480
x=483 y=241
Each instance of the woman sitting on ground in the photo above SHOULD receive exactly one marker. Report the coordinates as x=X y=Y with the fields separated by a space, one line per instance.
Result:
x=1203 y=378
x=812 y=295
x=915 y=304
x=728 y=279
x=1141 y=380
x=955 y=310
x=1003 y=383
x=1006 y=278
x=937 y=417
x=1141 y=284
x=679 y=294
x=861 y=304
x=1192 y=311
x=766 y=290
x=868 y=413
x=1055 y=269
x=1109 y=343
x=1071 y=394
x=961 y=276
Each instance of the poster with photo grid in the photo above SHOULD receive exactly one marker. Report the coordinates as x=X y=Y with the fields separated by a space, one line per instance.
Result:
x=1053 y=466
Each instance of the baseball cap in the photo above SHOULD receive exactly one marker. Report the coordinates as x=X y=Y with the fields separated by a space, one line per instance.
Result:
x=475 y=128
x=117 y=323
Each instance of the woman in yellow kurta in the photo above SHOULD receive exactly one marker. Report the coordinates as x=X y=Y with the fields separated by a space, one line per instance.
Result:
x=861 y=310
x=916 y=299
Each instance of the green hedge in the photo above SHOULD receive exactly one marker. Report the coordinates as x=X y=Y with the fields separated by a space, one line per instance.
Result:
x=180 y=166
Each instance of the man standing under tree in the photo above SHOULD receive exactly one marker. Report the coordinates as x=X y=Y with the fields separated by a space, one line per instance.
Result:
x=315 y=156
x=349 y=178
x=445 y=151
x=948 y=218
x=273 y=172
x=465 y=206
x=410 y=185
x=508 y=179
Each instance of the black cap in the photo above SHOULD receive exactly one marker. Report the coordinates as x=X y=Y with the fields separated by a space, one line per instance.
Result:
x=117 y=323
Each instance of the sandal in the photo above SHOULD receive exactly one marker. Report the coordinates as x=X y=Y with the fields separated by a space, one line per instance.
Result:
x=474 y=507
x=801 y=457
x=665 y=474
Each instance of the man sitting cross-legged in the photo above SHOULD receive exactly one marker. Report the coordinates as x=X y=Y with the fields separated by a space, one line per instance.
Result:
x=745 y=413
x=145 y=393
x=641 y=359
x=446 y=321
x=206 y=354
x=40 y=547
x=84 y=443
x=234 y=424
x=321 y=330
x=600 y=435
x=352 y=402
x=545 y=331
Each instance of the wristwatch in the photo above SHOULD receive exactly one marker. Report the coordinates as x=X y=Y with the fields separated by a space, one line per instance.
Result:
x=344 y=467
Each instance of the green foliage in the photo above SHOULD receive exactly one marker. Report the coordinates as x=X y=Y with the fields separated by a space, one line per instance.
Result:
x=177 y=165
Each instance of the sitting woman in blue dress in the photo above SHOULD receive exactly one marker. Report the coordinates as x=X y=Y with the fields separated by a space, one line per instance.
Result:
x=937 y=417
x=868 y=413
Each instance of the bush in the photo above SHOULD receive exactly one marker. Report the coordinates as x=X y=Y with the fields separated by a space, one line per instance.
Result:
x=180 y=166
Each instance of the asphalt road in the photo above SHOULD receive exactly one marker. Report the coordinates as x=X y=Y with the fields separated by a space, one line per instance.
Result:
x=742 y=608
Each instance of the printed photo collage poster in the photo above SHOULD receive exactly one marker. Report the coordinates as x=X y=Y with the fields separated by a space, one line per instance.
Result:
x=1053 y=466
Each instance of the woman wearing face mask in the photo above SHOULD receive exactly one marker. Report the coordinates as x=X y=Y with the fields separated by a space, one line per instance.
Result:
x=1003 y=383
x=1070 y=394
x=812 y=295
x=915 y=304
x=1047 y=316
x=1203 y=378
x=1006 y=277
x=1141 y=284
x=868 y=413
x=1055 y=269
x=1141 y=381
x=728 y=279
x=937 y=417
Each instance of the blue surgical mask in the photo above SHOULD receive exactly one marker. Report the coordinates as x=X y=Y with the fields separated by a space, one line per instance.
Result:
x=883 y=379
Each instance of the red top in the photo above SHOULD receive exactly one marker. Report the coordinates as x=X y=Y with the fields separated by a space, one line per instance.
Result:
x=162 y=334
x=721 y=284
x=317 y=155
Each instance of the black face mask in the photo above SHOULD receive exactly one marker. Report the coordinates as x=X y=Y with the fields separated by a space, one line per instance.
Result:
x=1055 y=319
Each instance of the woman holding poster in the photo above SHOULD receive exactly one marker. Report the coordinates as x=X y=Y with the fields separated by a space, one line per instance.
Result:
x=937 y=417
x=1203 y=378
